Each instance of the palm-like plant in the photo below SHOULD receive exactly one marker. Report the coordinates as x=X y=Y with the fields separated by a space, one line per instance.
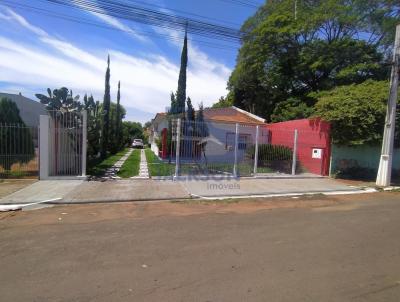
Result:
x=61 y=100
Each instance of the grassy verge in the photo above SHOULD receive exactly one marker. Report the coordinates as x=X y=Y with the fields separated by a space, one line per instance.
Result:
x=158 y=167
x=131 y=166
x=100 y=167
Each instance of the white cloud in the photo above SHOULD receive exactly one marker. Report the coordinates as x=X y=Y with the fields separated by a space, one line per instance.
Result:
x=113 y=22
x=146 y=82
x=22 y=21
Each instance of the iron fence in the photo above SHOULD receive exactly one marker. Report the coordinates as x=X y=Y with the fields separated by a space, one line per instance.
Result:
x=236 y=149
x=18 y=151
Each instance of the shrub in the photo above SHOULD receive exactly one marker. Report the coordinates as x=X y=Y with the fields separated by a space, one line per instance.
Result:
x=356 y=172
x=276 y=157
x=271 y=152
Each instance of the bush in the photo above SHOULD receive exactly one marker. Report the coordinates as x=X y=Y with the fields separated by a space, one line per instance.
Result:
x=356 y=173
x=271 y=152
x=275 y=157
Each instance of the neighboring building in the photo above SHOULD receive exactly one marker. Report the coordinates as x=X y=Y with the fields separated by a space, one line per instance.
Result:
x=29 y=109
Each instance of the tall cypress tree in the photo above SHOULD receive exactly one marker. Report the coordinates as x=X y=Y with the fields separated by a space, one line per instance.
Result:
x=181 y=92
x=118 y=116
x=190 y=114
x=106 y=112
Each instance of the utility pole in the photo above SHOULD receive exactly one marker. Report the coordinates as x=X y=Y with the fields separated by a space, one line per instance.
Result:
x=385 y=165
x=295 y=9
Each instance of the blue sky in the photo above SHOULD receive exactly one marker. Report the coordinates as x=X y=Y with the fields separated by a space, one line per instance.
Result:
x=38 y=51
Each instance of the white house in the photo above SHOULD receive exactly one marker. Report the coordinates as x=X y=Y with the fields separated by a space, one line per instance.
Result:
x=221 y=129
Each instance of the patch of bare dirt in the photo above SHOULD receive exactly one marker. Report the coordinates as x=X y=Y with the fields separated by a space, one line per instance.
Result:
x=89 y=213
x=8 y=186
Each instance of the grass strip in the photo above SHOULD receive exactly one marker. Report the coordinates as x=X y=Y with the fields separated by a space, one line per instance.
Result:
x=98 y=168
x=131 y=165
x=156 y=166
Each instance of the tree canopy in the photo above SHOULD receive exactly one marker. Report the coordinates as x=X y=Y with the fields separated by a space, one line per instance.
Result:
x=286 y=55
x=356 y=112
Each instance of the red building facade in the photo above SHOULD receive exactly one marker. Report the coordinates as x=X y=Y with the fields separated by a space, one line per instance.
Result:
x=313 y=142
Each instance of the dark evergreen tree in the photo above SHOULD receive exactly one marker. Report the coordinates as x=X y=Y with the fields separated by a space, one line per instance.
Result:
x=16 y=143
x=118 y=119
x=173 y=109
x=106 y=112
x=202 y=130
x=181 y=92
x=190 y=114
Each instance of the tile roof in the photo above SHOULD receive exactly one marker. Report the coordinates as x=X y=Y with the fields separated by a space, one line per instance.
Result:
x=228 y=115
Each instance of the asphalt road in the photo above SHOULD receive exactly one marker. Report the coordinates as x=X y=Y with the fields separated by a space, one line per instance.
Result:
x=332 y=249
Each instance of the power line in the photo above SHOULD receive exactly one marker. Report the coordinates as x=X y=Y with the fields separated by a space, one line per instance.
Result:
x=185 y=13
x=147 y=16
x=243 y=3
x=49 y=13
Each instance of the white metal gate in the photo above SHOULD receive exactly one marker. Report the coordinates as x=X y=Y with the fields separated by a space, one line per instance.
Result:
x=63 y=144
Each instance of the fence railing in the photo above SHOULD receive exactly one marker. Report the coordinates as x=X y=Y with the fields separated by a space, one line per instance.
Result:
x=18 y=150
x=235 y=149
x=66 y=143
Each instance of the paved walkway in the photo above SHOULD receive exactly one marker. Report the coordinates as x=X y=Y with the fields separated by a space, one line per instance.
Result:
x=71 y=191
x=111 y=173
x=143 y=169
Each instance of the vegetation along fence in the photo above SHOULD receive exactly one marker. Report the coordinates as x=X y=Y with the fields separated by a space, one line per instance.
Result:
x=18 y=150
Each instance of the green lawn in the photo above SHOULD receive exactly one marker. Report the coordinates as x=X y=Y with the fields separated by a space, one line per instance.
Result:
x=99 y=168
x=131 y=165
x=158 y=167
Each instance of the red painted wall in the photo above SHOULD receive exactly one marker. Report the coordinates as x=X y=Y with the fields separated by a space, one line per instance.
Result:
x=311 y=134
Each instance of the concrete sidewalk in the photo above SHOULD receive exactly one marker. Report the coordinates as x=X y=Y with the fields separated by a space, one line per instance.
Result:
x=76 y=191
x=271 y=186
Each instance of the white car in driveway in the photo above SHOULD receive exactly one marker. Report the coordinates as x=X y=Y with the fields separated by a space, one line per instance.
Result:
x=137 y=143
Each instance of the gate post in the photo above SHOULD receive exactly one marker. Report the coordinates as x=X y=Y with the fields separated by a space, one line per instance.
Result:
x=178 y=146
x=256 y=152
x=44 y=147
x=236 y=150
x=294 y=157
x=84 y=141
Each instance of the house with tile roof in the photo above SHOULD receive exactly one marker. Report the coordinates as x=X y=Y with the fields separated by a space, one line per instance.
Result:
x=221 y=127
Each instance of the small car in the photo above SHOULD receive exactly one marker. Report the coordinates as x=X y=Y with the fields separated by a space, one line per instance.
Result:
x=137 y=143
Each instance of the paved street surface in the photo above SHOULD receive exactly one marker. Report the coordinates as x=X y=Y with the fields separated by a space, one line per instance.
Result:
x=308 y=249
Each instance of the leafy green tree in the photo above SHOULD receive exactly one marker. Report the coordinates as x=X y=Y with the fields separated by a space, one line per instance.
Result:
x=328 y=43
x=223 y=102
x=16 y=143
x=291 y=109
x=131 y=130
x=106 y=112
x=356 y=112
x=181 y=92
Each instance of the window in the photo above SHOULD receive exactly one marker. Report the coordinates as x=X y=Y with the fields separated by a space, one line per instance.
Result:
x=244 y=140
